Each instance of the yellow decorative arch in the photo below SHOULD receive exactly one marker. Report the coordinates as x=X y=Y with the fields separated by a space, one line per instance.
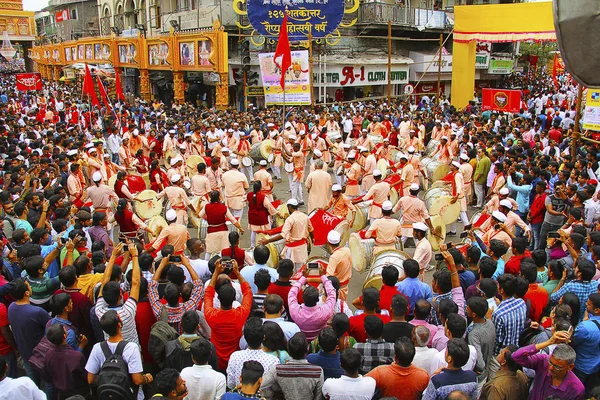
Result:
x=492 y=23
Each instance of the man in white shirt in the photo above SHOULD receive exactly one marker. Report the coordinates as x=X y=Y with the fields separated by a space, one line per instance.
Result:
x=347 y=125
x=19 y=388
x=351 y=385
x=201 y=380
x=423 y=354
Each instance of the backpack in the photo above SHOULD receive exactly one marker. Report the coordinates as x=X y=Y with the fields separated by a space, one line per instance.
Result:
x=38 y=356
x=161 y=333
x=114 y=381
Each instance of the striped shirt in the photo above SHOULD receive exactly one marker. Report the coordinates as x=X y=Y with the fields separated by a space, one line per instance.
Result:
x=175 y=313
x=509 y=319
x=296 y=379
x=582 y=289
x=127 y=314
x=42 y=289
x=444 y=383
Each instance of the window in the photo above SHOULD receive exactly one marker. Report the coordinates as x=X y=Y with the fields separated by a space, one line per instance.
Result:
x=182 y=5
x=73 y=13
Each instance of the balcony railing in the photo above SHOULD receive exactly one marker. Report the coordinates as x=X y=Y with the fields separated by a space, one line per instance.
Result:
x=381 y=13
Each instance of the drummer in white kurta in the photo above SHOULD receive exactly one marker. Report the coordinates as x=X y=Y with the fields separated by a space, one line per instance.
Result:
x=201 y=185
x=235 y=185
x=178 y=199
x=415 y=161
x=295 y=231
x=379 y=192
x=340 y=205
x=176 y=163
x=423 y=252
x=265 y=179
x=412 y=210
x=340 y=263
x=370 y=165
x=467 y=170
x=318 y=184
x=277 y=153
x=353 y=172
x=458 y=191
x=407 y=175
x=386 y=229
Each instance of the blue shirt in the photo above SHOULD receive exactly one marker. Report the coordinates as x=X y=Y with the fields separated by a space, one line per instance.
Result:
x=523 y=193
x=509 y=319
x=53 y=268
x=72 y=339
x=249 y=271
x=415 y=290
x=586 y=341
x=329 y=362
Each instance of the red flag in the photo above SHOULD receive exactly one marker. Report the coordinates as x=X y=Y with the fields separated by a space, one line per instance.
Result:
x=118 y=88
x=103 y=92
x=88 y=87
x=283 y=50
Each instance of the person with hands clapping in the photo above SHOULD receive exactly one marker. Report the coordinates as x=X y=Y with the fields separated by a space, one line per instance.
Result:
x=226 y=323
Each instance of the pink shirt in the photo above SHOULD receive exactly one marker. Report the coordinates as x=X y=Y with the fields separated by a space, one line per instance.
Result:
x=101 y=195
x=311 y=320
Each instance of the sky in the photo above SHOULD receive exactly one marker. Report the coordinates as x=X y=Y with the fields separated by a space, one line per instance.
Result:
x=34 y=5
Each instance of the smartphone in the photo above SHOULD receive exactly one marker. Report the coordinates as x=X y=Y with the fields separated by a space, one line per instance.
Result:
x=439 y=257
x=313 y=265
x=64 y=240
x=554 y=235
x=463 y=235
x=125 y=248
x=175 y=258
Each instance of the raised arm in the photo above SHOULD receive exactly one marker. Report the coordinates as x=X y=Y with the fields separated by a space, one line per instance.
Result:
x=186 y=263
x=109 y=267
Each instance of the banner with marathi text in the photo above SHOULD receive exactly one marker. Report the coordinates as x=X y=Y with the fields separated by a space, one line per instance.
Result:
x=297 y=80
x=508 y=101
x=29 y=81
x=591 y=115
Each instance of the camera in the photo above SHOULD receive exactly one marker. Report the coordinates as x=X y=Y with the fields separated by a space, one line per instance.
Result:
x=176 y=259
x=64 y=240
x=554 y=235
x=125 y=248
x=439 y=257
x=313 y=265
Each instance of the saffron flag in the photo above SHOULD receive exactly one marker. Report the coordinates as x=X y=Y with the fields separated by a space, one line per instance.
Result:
x=118 y=88
x=88 y=87
x=284 y=51
x=103 y=92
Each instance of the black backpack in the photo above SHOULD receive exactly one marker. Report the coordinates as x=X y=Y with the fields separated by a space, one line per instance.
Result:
x=114 y=381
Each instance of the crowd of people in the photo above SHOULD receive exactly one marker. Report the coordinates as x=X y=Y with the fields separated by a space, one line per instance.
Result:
x=100 y=302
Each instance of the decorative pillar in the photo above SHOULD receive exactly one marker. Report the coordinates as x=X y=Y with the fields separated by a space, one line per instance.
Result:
x=42 y=70
x=223 y=92
x=144 y=84
x=56 y=71
x=463 y=73
x=178 y=86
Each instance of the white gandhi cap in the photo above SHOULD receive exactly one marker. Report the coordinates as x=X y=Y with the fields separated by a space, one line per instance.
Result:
x=506 y=203
x=175 y=178
x=336 y=188
x=376 y=172
x=263 y=162
x=234 y=161
x=499 y=216
x=504 y=191
x=334 y=237
x=386 y=206
x=292 y=202
x=97 y=176
x=420 y=226
x=171 y=215
x=317 y=153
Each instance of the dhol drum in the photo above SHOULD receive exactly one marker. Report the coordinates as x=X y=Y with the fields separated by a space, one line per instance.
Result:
x=156 y=224
x=438 y=202
x=331 y=135
x=255 y=152
x=262 y=150
x=375 y=139
x=149 y=206
x=246 y=161
x=362 y=215
x=167 y=157
x=341 y=170
x=275 y=249
x=289 y=167
x=193 y=217
x=394 y=196
x=203 y=228
x=323 y=223
x=432 y=146
x=479 y=219
x=393 y=179
x=440 y=227
x=283 y=210
x=192 y=164
x=434 y=170
x=383 y=165
x=387 y=257
x=135 y=183
x=362 y=250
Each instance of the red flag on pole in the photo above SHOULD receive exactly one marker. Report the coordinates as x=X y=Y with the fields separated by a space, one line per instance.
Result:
x=283 y=50
x=118 y=88
x=103 y=92
x=88 y=87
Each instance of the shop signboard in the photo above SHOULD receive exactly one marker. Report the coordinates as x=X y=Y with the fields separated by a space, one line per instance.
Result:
x=591 y=115
x=362 y=75
x=500 y=66
x=483 y=52
x=297 y=80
